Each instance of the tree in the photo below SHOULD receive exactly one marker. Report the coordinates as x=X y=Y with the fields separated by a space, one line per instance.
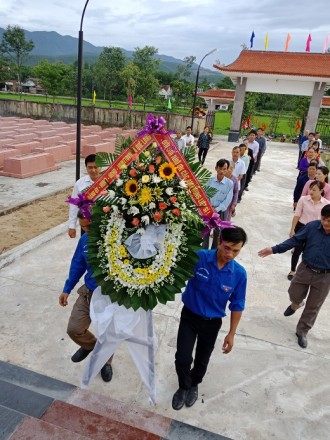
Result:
x=129 y=76
x=184 y=70
x=15 y=46
x=183 y=92
x=226 y=83
x=107 y=71
x=52 y=76
x=147 y=83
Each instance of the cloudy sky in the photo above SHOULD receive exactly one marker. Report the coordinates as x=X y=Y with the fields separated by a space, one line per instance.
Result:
x=178 y=27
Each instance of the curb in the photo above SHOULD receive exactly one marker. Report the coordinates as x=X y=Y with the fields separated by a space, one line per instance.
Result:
x=10 y=256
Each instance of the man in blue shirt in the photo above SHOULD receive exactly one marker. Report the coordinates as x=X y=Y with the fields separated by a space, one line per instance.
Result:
x=218 y=279
x=313 y=274
x=222 y=198
x=80 y=320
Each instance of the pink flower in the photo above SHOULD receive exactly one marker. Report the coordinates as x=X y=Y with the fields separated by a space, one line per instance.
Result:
x=158 y=160
x=106 y=209
x=132 y=172
x=173 y=199
x=104 y=192
x=157 y=216
x=151 y=169
x=176 y=211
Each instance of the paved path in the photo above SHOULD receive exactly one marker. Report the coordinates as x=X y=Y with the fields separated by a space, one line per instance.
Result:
x=268 y=387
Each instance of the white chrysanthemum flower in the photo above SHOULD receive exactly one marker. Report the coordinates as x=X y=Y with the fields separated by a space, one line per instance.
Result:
x=119 y=182
x=123 y=201
x=145 y=219
x=152 y=205
x=134 y=210
x=114 y=208
x=156 y=179
x=169 y=191
x=183 y=184
x=111 y=194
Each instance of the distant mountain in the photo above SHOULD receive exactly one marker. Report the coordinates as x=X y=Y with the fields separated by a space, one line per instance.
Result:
x=55 y=47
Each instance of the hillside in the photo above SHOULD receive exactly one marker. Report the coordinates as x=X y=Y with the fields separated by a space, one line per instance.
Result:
x=55 y=47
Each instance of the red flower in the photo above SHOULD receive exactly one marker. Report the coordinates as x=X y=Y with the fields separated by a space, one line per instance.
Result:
x=151 y=169
x=158 y=160
x=140 y=166
x=157 y=216
x=132 y=172
x=135 y=156
x=135 y=221
x=176 y=211
x=173 y=199
x=106 y=209
x=162 y=206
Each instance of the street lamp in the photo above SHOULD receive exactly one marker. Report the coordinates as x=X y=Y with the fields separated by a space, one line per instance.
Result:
x=196 y=87
x=79 y=92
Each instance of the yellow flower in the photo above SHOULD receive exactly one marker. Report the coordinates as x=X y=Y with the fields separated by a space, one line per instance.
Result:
x=145 y=196
x=131 y=187
x=158 y=192
x=167 y=170
x=145 y=178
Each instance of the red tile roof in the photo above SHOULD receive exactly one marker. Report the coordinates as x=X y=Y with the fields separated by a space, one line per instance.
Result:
x=325 y=101
x=280 y=63
x=218 y=93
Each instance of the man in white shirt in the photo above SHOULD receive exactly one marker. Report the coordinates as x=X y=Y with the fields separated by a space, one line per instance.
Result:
x=253 y=146
x=317 y=138
x=180 y=142
x=93 y=173
x=188 y=137
x=238 y=164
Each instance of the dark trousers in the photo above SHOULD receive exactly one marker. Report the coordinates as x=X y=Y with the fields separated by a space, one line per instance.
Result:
x=297 y=250
x=242 y=182
x=314 y=286
x=193 y=327
x=249 y=173
x=202 y=152
x=258 y=163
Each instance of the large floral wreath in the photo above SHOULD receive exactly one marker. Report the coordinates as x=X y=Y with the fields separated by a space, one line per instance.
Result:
x=145 y=229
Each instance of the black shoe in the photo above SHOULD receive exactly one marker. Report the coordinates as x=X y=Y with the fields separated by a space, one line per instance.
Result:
x=302 y=341
x=289 y=311
x=192 y=396
x=179 y=398
x=106 y=372
x=246 y=189
x=80 y=355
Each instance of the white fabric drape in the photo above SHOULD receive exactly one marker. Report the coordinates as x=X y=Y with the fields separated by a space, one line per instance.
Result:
x=115 y=324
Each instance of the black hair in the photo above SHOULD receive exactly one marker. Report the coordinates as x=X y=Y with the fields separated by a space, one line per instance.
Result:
x=188 y=127
x=313 y=163
x=319 y=185
x=253 y=132
x=221 y=163
x=90 y=158
x=324 y=170
x=325 y=211
x=242 y=145
x=228 y=163
x=80 y=214
x=234 y=235
x=235 y=148
x=311 y=133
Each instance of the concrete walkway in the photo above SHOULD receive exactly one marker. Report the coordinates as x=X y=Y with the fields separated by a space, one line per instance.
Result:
x=268 y=387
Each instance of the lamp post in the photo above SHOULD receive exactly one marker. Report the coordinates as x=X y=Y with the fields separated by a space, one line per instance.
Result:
x=196 y=87
x=79 y=92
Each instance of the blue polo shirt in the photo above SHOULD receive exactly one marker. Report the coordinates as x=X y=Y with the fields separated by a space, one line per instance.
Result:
x=79 y=266
x=210 y=289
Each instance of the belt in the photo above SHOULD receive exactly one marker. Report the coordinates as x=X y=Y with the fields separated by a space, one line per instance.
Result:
x=203 y=318
x=314 y=269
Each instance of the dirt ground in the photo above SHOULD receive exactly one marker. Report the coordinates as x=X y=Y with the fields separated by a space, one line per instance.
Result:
x=32 y=220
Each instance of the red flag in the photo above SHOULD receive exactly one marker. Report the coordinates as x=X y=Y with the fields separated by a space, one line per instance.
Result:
x=264 y=126
x=308 y=43
x=248 y=121
x=130 y=101
x=297 y=126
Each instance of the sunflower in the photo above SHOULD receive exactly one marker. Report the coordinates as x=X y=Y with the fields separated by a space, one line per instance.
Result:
x=145 y=196
x=167 y=170
x=131 y=187
x=158 y=192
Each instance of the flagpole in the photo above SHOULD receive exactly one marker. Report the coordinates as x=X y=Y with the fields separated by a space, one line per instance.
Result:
x=79 y=92
x=196 y=87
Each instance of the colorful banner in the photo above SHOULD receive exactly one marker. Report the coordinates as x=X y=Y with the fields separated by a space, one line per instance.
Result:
x=171 y=153
x=287 y=42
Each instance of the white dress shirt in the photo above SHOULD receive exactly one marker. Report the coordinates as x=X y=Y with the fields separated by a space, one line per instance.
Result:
x=188 y=139
x=81 y=184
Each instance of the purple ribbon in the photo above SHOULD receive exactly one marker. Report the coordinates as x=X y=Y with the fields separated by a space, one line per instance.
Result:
x=214 y=222
x=83 y=204
x=153 y=125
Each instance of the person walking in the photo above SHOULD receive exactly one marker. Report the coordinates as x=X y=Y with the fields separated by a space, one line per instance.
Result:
x=312 y=279
x=80 y=320
x=308 y=209
x=218 y=279
x=262 y=147
x=322 y=176
x=203 y=144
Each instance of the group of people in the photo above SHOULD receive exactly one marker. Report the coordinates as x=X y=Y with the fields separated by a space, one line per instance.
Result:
x=218 y=279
